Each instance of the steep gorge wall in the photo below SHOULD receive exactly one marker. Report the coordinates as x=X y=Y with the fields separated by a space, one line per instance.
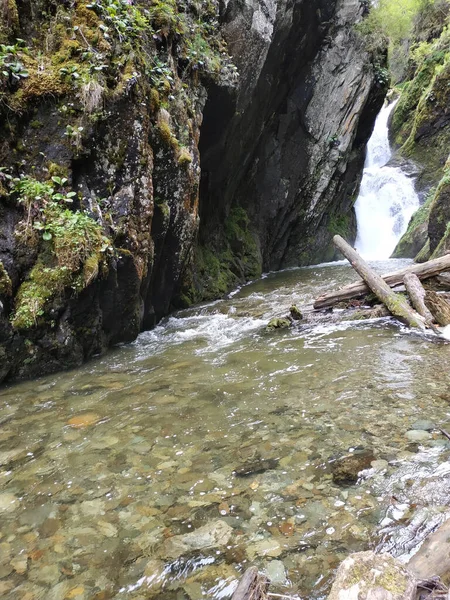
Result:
x=281 y=160
x=421 y=129
x=140 y=170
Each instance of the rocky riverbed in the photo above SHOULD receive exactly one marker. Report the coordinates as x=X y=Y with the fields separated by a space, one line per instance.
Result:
x=167 y=468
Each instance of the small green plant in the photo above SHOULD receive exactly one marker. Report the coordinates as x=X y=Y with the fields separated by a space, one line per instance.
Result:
x=74 y=135
x=12 y=69
x=165 y=18
x=72 y=248
x=70 y=72
x=120 y=15
x=5 y=281
x=161 y=74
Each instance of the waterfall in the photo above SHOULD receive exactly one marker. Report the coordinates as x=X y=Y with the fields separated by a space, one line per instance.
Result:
x=387 y=198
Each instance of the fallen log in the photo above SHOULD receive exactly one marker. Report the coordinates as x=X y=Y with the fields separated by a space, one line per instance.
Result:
x=417 y=294
x=252 y=586
x=439 y=308
x=359 y=289
x=395 y=303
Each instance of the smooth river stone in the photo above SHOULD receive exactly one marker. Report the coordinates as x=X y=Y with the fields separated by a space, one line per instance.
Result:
x=264 y=548
x=83 y=420
x=212 y=535
x=276 y=573
x=8 y=502
x=423 y=425
x=417 y=435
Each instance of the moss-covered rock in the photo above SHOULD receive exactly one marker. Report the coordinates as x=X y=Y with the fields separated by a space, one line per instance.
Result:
x=367 y=575
x=424 y=254
x=440 y=212
x=278 y=323
x=5 y=281
x=416 y=234
x=420 y=123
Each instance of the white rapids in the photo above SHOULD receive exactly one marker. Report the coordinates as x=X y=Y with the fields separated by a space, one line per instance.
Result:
x=387 y=199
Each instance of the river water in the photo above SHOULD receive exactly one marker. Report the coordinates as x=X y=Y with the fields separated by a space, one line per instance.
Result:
x=164 y=469
x=106 y=466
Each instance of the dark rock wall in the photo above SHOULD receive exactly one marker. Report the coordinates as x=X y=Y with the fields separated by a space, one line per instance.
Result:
x=197 y=187
x=289 y=146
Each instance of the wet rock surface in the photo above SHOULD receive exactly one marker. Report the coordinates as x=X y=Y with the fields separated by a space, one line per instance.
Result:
x=259 y=175
x=366 y=575
x=346 y=469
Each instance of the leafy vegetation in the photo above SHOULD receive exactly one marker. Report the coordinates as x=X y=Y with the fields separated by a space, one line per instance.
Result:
x=12 y=69
x=72 y=247
x=395 y=21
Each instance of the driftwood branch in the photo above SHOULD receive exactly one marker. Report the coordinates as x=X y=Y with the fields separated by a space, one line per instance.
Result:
x=253 y=586
x=395 y=303
x=416 y=294
x=439 y=308
x=360 y=288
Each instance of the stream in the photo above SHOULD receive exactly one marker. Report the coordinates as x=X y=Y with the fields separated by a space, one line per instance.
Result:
x=165 y=468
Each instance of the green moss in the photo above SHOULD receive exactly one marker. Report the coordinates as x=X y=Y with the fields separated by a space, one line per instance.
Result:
x=389 y=578
x=166 y=135
x=184 y=157
x=416 y=234
x=242 y=243
x=411 y=93
x=9 y=22
x=424 y=253
x=5 y=281
x=340 y=225
x=72 y=248
x=35 y=294
x=277 y=323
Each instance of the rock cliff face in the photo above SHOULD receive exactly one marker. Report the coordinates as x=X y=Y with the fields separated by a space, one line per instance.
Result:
x=139 y=170
x=421 y=129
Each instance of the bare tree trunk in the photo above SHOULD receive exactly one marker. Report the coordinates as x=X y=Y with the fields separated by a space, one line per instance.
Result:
x=395 y=303
x=359 y=289
x=439 y=308
x=417 y=296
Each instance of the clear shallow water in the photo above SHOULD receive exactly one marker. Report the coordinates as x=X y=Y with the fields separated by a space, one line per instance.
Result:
x=104 y=468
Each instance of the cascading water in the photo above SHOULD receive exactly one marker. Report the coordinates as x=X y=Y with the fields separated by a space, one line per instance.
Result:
x=387 y=198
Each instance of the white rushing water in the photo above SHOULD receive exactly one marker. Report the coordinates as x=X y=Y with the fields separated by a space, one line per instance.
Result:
x=387 y=198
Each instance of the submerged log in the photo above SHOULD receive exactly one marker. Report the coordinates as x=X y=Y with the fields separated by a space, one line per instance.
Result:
x=359 y=289
x=396 y=304
x=416 y=294
x=439 y=308
x=253 y=586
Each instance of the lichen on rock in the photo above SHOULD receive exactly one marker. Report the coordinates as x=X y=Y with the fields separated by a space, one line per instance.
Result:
x=366 y=575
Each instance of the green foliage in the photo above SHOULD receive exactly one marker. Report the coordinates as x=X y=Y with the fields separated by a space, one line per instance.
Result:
x=393 y=19
x=72 y=244
x=12 y=69
x=124 y=18
x=165 y=18
x=5 y=281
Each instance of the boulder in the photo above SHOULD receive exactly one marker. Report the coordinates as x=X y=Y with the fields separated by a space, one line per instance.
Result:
x=370 y=576
x=433 y=557
x=346 y=469
x=277 y=323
